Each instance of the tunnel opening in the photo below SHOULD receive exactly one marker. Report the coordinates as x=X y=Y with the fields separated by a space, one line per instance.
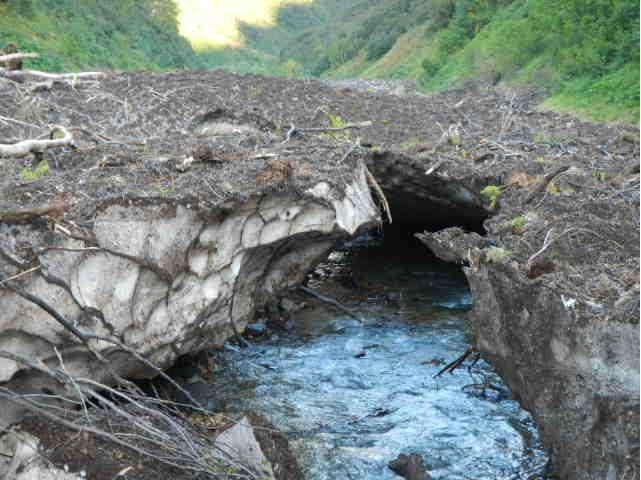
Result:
x=363 y=386
x=359 y=392
x=427 y=199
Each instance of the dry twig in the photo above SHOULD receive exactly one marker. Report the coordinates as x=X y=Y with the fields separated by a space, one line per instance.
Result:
x=549 y=240
x=380 y=194
x=28 y=214
x=450 y=367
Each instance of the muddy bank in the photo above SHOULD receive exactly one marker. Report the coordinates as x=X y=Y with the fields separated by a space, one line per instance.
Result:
x=556 y=287
x=248 y=197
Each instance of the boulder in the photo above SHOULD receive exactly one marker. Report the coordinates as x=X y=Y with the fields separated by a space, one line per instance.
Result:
x=259 y=446
x=410 y=467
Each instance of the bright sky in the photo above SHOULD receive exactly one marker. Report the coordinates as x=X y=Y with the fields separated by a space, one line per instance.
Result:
x=214 y=23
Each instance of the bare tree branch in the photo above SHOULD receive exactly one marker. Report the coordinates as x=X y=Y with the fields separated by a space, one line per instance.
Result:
x=379 y=193
x=26 y=147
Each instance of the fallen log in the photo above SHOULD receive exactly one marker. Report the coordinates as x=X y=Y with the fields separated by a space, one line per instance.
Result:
x=12 y=57
x=25 y=147
x=35 y=75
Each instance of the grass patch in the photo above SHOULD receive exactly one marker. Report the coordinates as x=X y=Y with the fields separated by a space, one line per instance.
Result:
x=492 y=194
x=32 y=174
x=518 y=224
x=611 y=98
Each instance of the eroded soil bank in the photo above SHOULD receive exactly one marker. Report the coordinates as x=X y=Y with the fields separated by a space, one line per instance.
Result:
x=186 y=192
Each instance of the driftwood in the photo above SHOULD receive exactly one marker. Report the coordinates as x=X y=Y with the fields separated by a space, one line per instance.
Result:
x=450 y=367
x=26 y=147
x=544 y=184
x=330 y=301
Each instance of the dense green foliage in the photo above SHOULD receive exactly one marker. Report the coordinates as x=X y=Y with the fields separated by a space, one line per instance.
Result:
x=72 y=34
x=584 y=53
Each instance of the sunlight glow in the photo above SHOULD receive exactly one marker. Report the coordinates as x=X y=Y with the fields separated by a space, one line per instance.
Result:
x=215 y=23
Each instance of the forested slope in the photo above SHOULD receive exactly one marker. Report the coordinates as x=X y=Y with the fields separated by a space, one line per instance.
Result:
x=119 y=34
x=583 y=53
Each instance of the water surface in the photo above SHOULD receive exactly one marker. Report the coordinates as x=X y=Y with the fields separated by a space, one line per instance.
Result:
x=352 y=396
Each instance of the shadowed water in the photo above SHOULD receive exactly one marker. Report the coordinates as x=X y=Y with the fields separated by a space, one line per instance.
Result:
x=352 y=396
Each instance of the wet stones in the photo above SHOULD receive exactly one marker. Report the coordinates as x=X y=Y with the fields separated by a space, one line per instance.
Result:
x=410 y=467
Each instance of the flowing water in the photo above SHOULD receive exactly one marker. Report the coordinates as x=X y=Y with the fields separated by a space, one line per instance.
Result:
x=352 y=396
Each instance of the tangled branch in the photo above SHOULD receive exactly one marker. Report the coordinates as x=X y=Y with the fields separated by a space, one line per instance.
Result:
x=149 y=425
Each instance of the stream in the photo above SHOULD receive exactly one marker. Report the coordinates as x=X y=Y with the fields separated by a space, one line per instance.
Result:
x=352 y=396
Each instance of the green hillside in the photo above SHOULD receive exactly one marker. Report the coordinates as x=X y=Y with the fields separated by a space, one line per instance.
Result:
x=583 y=53
x=117 y=34
x=80 y=34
